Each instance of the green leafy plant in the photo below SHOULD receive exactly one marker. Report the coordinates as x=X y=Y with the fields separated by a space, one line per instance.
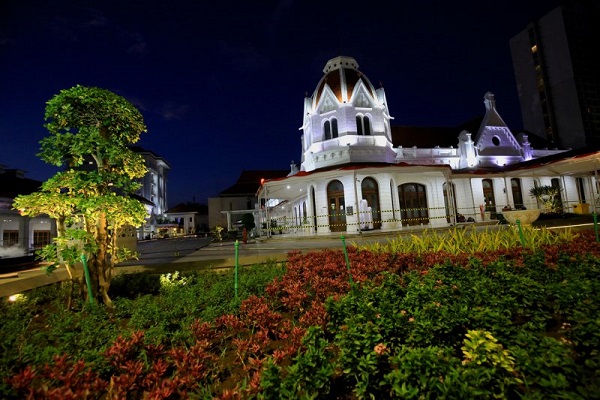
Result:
x=507 y=323
x=90 y=129
x=548 y=197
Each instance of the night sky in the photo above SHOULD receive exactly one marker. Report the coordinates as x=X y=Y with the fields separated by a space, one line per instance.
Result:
x=221 y=84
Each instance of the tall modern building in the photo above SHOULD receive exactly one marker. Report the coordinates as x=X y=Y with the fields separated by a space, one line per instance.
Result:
x=154 y=189
x=557 y=69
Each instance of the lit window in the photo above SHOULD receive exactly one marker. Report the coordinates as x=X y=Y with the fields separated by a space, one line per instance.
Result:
x=534 y=48
x=330 y=129
x=363 y=125
x=334 y=128
x=327 y=128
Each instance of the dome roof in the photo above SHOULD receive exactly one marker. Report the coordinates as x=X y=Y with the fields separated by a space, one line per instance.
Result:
x=342 y=76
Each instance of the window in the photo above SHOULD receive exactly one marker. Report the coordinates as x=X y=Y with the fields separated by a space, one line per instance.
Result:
x=10 y=238
x=41 y=239
x=515 y=184
x=363 y=125
x=330 y=129
x=370 y=193
x=327 y=129
x=413 y=204
x=334 y=128
x=580 y=190
x=304 y=216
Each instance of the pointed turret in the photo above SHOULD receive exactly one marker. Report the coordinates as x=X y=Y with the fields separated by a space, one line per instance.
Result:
x=345 y=120
x=495 y=143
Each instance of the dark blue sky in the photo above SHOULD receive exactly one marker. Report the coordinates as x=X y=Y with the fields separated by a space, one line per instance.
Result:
x=221 y=84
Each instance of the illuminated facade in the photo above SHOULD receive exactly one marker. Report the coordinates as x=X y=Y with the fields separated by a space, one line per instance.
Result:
x=19 y=235
x=154 y=189
x=558 y=75
x=358 y=172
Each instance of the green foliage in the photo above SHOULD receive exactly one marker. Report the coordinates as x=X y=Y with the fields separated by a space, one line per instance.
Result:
x=310 y=375
x=522 y=323
x=90 y=131
x=548 y=196
x=216 y=232
x=185 y=297
x=31 y=336
x=135 y=285
x=472 y=332
x=467 y=241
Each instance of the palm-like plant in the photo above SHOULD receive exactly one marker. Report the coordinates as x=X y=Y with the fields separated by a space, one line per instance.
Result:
x=548 y=197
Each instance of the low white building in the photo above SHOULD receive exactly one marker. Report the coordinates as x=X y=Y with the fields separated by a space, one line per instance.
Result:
x=190 y=218
x=358 y=172
x=238 y=199
x=19 y=235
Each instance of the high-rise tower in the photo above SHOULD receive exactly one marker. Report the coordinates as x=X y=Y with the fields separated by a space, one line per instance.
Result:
x=557 y=69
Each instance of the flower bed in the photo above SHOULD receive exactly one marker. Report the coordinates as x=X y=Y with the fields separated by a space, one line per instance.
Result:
x=509 y=322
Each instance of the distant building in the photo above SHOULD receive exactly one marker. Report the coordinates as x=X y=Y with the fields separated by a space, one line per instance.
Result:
x=191 y=218
x=153 y=190
x=20 y=234
x=239 y=198
x=557 y=69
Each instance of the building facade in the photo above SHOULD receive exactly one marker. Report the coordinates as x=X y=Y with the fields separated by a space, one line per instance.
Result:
x=20 y=235
x=238 y=199
x=153 y=191
x=357 y=172
x=558 y=75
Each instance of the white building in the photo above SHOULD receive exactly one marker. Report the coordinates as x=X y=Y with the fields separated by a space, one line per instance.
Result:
x=356 y=174
x=238 y=199
x=19 y=235
x=154 y=190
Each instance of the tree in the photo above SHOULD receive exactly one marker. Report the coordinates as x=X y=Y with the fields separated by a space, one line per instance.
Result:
x=90 y=131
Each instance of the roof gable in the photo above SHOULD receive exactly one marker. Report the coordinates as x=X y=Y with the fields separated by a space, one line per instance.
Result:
x=494 y=137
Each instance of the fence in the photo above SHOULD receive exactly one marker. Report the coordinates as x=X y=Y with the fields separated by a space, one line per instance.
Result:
x=426 y=216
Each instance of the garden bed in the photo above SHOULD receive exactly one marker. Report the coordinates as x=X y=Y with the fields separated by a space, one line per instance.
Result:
x=436 y=317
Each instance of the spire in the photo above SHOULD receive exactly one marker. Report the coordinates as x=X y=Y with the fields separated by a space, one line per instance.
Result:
x=490 y=101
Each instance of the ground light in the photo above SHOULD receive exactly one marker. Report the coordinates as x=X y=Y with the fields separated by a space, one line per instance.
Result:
x=17 y=297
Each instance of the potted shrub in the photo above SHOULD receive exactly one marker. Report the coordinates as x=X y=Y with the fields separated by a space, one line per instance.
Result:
x=547 y=197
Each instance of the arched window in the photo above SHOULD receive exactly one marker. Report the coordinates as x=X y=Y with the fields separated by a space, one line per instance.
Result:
x=555 y=182
x=304 y=216
x=515 y=185
x=413 y=204
x=337 y=206
x=489 y=197
x=334 y=128
x=451 y=208
x=370 y=193
x=327 y=130
x=330 y=129
x=363 y=125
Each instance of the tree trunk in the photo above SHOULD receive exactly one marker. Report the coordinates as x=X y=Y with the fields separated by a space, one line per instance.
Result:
x=103 y=274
